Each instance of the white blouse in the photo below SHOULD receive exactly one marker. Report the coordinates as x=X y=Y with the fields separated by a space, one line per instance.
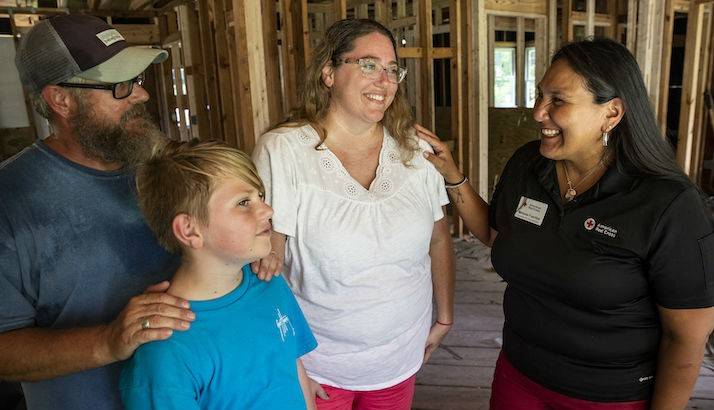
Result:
x=357 y=259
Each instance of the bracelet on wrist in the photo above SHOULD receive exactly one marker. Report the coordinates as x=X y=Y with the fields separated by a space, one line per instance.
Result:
x=445 y=324
x=449 y=185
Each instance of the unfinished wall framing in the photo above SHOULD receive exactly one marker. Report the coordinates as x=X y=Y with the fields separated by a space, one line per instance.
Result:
x=235 y=66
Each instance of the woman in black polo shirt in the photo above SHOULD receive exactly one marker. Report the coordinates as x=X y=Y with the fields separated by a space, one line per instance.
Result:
x=606 y=246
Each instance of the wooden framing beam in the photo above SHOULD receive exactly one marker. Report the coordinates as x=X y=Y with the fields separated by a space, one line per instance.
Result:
x=520 y=62
x=667 y=32
x=250 y=66
x=457 y=89
x=443 y=52
x=478 y=170
x=305 y=26
x=590 y=18
x=140 y=34
x=361 y=11
x=139 y=4
x=353 y=3
x=501 y=13
x=426 y=82
x=519 y=6
x=707 y=115
x=543 y=52
x=210 y=73
x=649 y=45
x=579 y=18
x=179 y=98
x=489 y=44
x=552 y=29
x=681 y=6
x=690 y=85
x=401 y=8
x=632 y=9
x=223 y=46
x=700 y=117
x=172 y=75
x=401 y=22
x=199 y=121
x=614 y=19
x=418 y=52
x=341 y=9
x=324 y=8
x=292 y=51
x=92 y=12
x=239 y=94
x=383 y=12
x=166 y=97
x=567 y=26
x=510 y=23
x=272 y=63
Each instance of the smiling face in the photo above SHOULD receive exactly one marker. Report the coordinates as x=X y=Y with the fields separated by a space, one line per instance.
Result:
x=239 y=228
x=571 y=122
x=356 y=99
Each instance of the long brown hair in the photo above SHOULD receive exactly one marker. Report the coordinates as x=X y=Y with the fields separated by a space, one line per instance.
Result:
x=315 y=95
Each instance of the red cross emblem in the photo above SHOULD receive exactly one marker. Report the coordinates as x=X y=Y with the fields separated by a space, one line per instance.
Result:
x=589 y=224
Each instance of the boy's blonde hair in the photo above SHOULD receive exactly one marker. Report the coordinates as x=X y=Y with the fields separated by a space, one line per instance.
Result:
x=180 y=178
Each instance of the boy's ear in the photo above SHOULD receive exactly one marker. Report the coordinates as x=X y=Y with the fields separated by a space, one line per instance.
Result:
x=187 y=231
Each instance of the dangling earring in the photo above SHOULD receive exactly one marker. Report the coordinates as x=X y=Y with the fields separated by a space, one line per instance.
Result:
x=605 y=137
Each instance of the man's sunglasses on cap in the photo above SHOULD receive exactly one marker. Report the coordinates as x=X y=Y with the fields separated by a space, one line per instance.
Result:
x=119 y=90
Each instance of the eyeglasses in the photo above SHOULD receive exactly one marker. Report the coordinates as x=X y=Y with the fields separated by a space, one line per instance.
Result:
x=119 y=90
x=373 y=69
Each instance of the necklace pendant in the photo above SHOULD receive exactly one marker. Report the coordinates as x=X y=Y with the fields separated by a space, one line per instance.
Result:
x=570 y=194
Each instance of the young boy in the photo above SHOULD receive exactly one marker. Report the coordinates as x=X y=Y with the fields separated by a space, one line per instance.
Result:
x=242 y=351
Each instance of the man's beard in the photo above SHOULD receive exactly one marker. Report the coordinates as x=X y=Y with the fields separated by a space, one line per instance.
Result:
x=133 y=140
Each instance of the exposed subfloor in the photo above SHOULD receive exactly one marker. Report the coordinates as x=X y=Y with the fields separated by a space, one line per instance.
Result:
x=458 y=377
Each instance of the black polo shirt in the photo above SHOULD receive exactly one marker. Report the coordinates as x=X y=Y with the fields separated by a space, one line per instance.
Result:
x=584 y=279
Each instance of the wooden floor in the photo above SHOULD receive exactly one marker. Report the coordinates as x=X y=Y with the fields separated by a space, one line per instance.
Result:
x=460 y=371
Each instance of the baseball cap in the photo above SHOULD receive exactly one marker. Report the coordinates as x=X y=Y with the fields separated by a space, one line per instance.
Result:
x=76 y=45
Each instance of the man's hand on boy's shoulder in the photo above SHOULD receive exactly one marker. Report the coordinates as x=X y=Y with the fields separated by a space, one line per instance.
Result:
x=152 y=315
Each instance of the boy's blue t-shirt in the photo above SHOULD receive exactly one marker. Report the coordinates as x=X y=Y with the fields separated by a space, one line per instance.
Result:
x=240 y=353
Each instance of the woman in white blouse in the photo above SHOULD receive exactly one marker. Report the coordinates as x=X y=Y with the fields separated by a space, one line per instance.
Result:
x=359 y=219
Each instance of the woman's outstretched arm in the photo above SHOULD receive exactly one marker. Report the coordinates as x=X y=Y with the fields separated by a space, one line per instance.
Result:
x=472 y=209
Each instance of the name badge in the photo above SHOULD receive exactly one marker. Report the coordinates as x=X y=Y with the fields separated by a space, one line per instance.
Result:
x=531 y=210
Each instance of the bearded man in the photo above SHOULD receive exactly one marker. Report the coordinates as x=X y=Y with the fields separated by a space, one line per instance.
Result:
x=75 y=254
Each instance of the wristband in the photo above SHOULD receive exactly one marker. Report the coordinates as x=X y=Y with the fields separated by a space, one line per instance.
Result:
x=448 y=185
x=445 y=324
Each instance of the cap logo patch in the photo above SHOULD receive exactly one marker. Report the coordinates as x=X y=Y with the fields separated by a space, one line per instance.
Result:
x=109 y=37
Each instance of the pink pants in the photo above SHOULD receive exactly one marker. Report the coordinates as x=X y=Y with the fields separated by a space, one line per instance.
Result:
x=512 y=390
x=398 y=397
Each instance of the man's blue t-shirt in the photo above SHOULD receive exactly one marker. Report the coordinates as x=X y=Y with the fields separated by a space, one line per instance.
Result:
x=240 y=353
x=74 y=249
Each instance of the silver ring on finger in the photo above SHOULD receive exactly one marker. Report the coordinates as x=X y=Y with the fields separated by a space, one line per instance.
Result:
x=145 y=324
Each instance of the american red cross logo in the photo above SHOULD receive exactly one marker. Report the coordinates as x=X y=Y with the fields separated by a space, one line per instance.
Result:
x=589 y=224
